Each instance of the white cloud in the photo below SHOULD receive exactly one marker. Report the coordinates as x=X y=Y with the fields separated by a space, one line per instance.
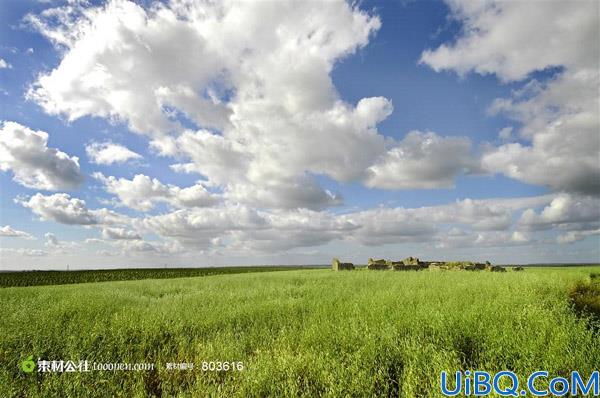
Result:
x=8 y=231
x=55 y=246
x=108 y=153
x=51 y=240
x=23 y=252
x=564 y=210
x=288 y=230
x=60 y=207
x=252 y=109
x=558 y=33
x=94 y=241
x=4 y=64
x=119 y=234
x=215 y=44
x=267 y=116
x=422 y=160
x=25 y=152
x=489 y=220
x=240 y=228
x=559 y=117
x=505 y=134
x=383 y=226
x=198 y=226
x=135 y=246
x=186 y=168
x=142 y=193
x=300 y=192
x=234 y=229
x=456 y=238
x=576 y=236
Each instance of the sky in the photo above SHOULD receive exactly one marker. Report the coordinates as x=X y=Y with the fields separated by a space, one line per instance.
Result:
x=192 y=133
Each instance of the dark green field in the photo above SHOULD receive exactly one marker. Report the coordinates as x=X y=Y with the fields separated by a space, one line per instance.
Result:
x=309 y=333
x=37 y=278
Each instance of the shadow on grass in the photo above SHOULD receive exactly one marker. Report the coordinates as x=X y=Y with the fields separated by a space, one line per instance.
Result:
x=585 y=296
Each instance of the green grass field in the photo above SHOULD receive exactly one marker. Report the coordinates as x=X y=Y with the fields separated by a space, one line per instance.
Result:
x=304 y=333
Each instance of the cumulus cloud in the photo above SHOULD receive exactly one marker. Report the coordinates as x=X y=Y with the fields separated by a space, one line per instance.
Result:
x=573 y=211
x=242 y=228
x=559 y=117
x=199 y=226
x=56 y=246
x=483 y=219
x=300 y=192
x=217 y=46
x=505 y=134
x=25 y=152
x=8 y=231
x=576 y=236
x=119 y=234
x=135 y=246
x=458 y=238
x=186 y=168
x=107 y=153
x=561 y=120
x=51 y=240
x=23 y=252
x=4 y=64
x=64 y=209
x=266 y=116
x=61 y=208
x=234 y=229
x=382 y=226
x=422 y=160
x=237 y=228
x=142 y=192
x=251 y=108
x=492 y=37
x=290 y=230
x=489 y=222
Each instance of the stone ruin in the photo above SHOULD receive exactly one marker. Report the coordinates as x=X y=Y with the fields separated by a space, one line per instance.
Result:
x=409 y=263
x=378 y=264
x=337 y=265
x=414 y=264
x=464 y=266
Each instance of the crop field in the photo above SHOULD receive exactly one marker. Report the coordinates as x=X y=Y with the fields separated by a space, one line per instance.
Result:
x=36 y=278
x=309 y=333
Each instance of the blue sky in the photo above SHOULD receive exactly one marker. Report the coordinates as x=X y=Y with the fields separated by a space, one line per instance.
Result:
x=455 y=165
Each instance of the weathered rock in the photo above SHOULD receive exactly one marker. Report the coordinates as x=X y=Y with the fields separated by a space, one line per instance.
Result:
x=411 y=261
x=436 y=266
x=413 y=264
x=378 y=264
x=475 y=267
x=337 y=265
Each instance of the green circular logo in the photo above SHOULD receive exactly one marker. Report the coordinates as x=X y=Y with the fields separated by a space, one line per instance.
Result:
x=28 y=365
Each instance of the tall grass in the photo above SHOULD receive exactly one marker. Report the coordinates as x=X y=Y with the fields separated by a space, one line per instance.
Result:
x=586 y=296
x=298 y=333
